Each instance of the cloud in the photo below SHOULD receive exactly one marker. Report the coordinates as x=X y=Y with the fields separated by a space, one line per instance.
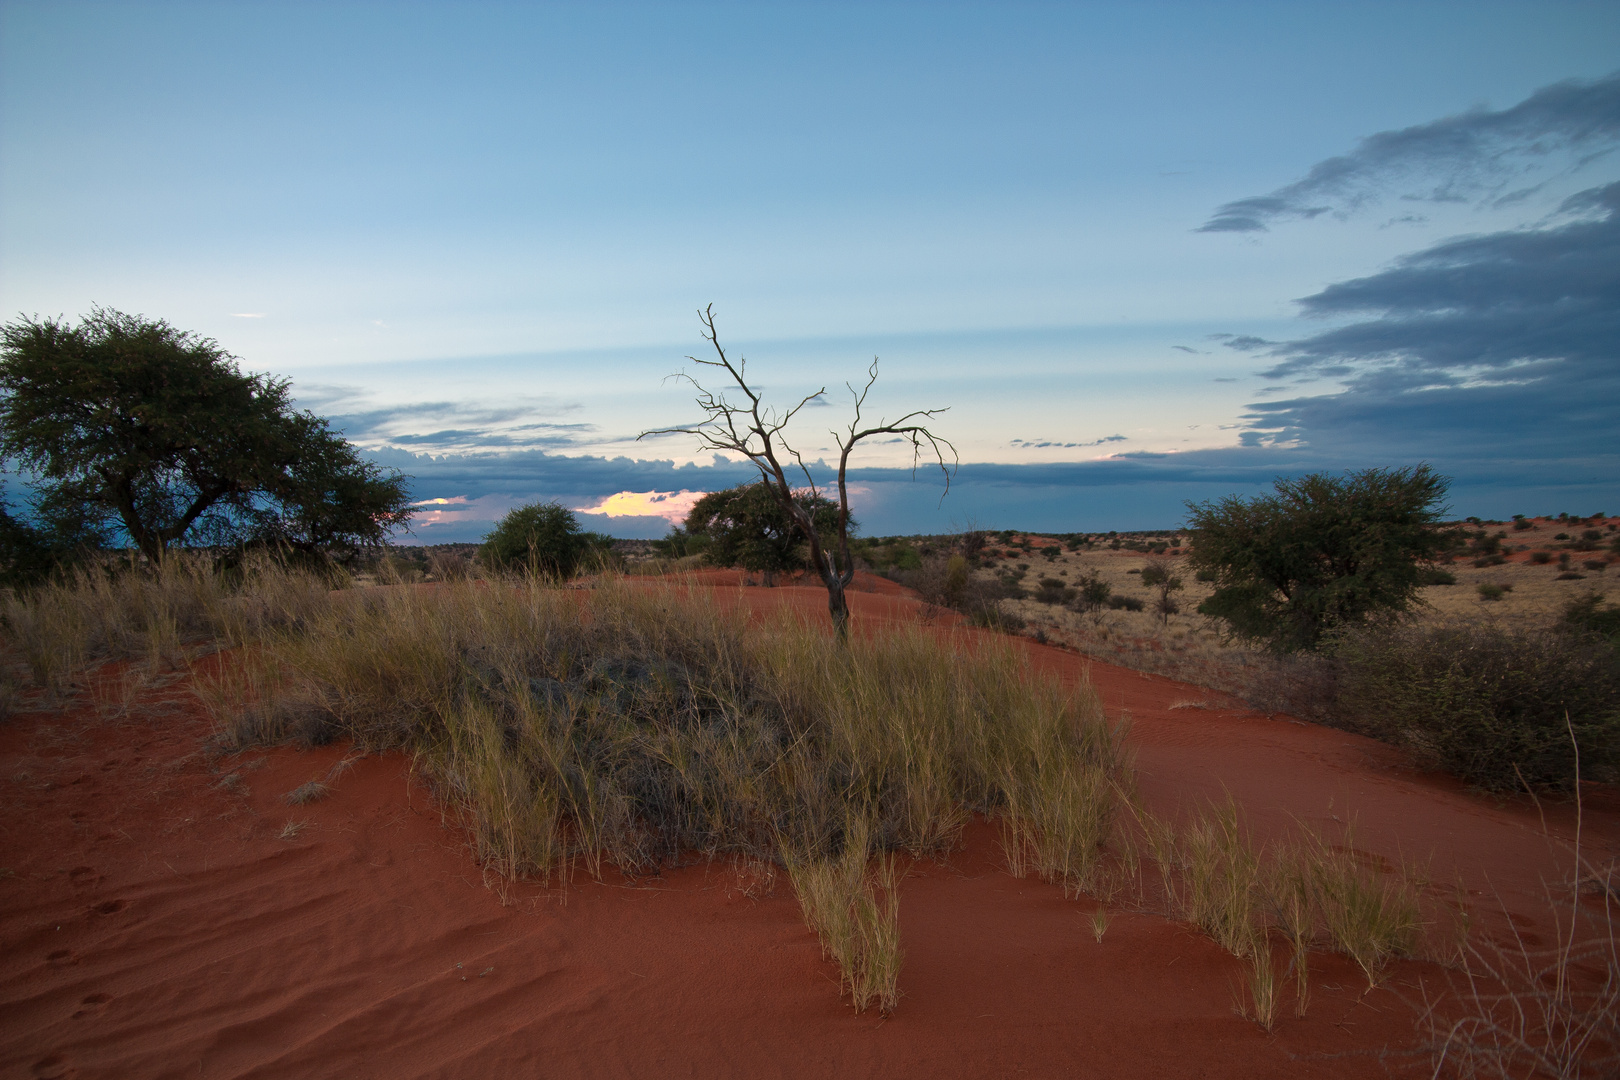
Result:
x=1501 y=347
x=1475 y=157
x=1041 y=444
x=670 y=506
x=448 y=426
x=247 y=314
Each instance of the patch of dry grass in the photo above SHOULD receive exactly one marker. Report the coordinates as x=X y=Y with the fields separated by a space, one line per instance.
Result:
x=1521 y=1010
x=855 y=912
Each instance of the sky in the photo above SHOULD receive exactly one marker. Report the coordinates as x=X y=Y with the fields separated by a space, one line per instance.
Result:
x=1140 y=253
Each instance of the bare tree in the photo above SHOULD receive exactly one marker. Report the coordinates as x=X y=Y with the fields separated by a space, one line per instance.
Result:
x=757 y=432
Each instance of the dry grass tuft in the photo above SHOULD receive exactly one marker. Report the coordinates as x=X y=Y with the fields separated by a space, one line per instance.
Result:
x=1262 y=985
x=856 y=915
x=1518 y=1010
x=303 y=794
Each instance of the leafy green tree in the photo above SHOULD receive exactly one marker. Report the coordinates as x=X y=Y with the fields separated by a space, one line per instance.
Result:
x=748 y=526
x=541 y=537
x=126 y=424
x=1323 y=552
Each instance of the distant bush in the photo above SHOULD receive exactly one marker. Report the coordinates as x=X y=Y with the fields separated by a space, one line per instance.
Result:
x=449 y=566
x=1433 y=575
x=1056 y=591
x=1485 y=703
x=1596 y=565
x=1541 y=558
x=544 y=537
x=1570 y=575
x=1125 y=603
x=1487 y=591
x=1588 y=615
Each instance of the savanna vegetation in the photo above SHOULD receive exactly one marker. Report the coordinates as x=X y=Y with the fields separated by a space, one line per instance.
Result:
x=634 y=724
x=128 y=431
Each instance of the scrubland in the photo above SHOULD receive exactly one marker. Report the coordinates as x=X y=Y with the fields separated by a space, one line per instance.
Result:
x=637 y=722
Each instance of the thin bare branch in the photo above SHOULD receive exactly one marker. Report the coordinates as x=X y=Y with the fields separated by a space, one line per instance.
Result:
x=757 y=432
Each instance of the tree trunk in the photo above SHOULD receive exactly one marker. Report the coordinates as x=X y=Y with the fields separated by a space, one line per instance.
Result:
x=838 y=607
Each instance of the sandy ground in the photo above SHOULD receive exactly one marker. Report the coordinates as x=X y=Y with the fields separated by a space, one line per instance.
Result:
x=160 y=918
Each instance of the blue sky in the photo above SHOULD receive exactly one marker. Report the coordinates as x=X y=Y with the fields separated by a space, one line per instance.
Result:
x=1144 y=253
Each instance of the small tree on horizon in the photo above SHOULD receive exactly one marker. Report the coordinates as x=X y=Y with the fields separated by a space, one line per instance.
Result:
x=543 y=538
x=757 y=432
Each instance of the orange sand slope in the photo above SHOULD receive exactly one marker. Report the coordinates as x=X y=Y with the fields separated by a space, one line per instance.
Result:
x=154 y=922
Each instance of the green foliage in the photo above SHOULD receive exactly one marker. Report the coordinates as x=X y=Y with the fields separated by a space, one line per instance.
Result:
x=541 y=537
x=1486 y=703
x=678 y=543
x=1487 y=591
x=1323 y=552
x=956 y=580
x=1093 y=591
x=125 y=421
x=748 y=526
x=1588 y=614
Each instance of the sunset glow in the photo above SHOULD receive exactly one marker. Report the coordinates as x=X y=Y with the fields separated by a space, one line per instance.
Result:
x=672 y=506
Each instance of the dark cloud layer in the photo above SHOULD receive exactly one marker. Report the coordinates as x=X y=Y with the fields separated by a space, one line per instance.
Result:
x=1477 y=156
x=1133 y=491
x=1506 y=345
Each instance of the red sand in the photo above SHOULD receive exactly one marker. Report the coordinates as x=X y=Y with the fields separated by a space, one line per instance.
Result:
x=152 y=923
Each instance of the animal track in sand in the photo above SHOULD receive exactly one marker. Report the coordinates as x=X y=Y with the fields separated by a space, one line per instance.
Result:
x=92 y=1004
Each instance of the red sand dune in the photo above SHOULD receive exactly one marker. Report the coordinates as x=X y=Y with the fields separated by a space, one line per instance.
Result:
x=153 y=923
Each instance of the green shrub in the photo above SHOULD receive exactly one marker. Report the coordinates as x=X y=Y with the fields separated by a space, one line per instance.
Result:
x=1055 y=591
x=1589 y=616
x=1485 y=703
x=1433 y=575
x=1093 y=591
x=1487 y=591
x=1541 y=558
x=544 y=537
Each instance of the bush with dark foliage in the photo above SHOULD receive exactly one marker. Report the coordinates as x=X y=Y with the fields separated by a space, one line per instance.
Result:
x=1494 y=706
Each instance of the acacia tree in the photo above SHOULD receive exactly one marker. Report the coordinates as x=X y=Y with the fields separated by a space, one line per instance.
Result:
x=127 y=420
x=758 y=432
x=747 y=527
x=1324 y=551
